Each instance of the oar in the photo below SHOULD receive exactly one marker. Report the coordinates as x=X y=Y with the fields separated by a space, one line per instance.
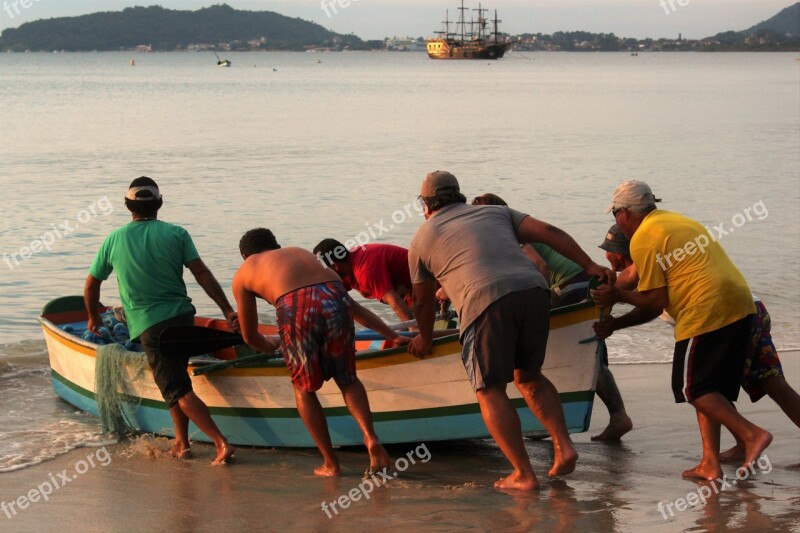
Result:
x=198 y=340
x=257 y=358
x=593 y=284
x=370 y=335
x=176 y=341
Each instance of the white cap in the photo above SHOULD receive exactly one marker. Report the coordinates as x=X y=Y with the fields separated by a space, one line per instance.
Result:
x=145 y=193
x=632 y=194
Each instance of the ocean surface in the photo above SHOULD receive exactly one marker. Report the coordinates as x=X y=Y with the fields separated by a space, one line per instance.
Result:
x=336 y=145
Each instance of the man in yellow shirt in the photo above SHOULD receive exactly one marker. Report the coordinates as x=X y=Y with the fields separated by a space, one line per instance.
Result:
x=683 y=270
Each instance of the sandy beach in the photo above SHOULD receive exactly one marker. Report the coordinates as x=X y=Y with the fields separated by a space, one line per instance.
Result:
x=616 y=487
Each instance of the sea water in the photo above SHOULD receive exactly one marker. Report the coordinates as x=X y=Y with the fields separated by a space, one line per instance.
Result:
x=338 y=148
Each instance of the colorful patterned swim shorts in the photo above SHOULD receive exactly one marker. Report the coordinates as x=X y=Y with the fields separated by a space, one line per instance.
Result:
x=315 y=325
x=762 y=357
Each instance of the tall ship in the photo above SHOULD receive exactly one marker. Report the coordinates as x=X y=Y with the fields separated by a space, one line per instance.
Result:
x=468 y=39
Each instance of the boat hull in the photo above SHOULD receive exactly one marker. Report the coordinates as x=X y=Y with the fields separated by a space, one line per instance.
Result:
x=412 y=400
x=442 y=49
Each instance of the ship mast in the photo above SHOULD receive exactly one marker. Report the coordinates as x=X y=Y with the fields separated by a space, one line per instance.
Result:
x=461 y=20
x=495 y=32
x=481 y=21
x=446 y=23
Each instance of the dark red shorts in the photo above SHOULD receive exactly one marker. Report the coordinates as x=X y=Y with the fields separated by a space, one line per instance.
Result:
x=315 y=325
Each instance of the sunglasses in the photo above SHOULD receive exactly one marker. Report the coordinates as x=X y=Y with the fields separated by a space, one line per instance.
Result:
x=616 y=210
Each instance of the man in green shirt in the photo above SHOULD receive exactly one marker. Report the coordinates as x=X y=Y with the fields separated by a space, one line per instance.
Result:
x=148 y=256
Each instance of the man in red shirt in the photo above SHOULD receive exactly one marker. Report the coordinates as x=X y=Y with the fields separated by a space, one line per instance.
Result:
x=376 y=271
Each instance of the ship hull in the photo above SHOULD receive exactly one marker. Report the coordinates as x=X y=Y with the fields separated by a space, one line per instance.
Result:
x=440 y=49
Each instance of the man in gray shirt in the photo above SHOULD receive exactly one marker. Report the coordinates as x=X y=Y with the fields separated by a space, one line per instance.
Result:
x=503 y=304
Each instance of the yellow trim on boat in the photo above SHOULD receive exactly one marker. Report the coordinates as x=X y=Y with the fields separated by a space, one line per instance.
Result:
x=69 y=343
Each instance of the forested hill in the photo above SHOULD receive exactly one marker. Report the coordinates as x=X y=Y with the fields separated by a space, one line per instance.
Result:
x=786 y=22
x=216 y=27
x=781 y=32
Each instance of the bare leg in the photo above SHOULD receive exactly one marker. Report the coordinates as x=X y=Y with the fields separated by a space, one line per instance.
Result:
x=787 y=399
x=314 y=418
x=708 y=468
x=619 y=422
x=355 y=396
x=503 y=424
x=716 y=407
x=542 y=399
x=784 y=395
x=194 y=408
x=181 y=447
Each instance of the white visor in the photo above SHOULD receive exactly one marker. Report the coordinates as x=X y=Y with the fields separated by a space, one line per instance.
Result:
x=136 y=193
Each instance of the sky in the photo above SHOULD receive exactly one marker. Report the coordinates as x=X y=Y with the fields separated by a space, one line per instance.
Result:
x=376 y=19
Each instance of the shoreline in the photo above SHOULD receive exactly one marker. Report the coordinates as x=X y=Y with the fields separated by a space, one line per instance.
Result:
x=616 y=486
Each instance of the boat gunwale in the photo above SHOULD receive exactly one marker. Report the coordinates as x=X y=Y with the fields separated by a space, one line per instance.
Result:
x=278 y=362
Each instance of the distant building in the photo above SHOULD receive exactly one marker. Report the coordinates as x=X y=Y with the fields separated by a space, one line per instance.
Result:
x=405 y=44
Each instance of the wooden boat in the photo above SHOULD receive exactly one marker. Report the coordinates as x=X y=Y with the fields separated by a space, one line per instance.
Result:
x=473 y=43
x=412 y=400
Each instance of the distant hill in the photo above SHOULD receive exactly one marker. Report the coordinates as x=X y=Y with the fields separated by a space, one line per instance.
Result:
x=781 y=32
x=786 y=22
x=165 y=29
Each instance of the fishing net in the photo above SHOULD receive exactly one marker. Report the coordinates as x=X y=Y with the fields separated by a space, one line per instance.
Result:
x=115 y=366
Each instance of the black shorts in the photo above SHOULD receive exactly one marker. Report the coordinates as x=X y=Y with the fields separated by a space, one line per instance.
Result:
x=170 y=373
x=511 y=334
x=711 y=362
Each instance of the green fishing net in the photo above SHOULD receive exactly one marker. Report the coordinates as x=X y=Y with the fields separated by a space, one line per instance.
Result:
x=114 y=369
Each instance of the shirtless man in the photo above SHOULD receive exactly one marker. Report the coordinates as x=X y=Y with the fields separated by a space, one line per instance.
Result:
x=315 y=321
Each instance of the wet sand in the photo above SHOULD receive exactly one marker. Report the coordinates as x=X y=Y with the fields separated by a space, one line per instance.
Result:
x=616 y=487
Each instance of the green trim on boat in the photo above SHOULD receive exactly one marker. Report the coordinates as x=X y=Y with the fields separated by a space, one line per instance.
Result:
x=64 y=305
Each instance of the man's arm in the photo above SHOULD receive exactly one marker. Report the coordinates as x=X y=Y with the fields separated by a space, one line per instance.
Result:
x=368 y=319
x=425 y=311
x=628 y=279
x=212 y=287
x=533 y=230
x=537 y=259
x=635 y=317
x=399 y=306
x=91 y=299
x=607 y=295
x=248 y=319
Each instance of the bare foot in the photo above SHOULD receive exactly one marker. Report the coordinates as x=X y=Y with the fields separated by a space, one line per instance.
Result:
x=378 y=458
x=225 y=454
x=756 y=447
x=618 y=425
x=732 y=455
x=517 y=482
x=565 y=461
x=703 y=471
x=180 y=452
x=327 y=470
